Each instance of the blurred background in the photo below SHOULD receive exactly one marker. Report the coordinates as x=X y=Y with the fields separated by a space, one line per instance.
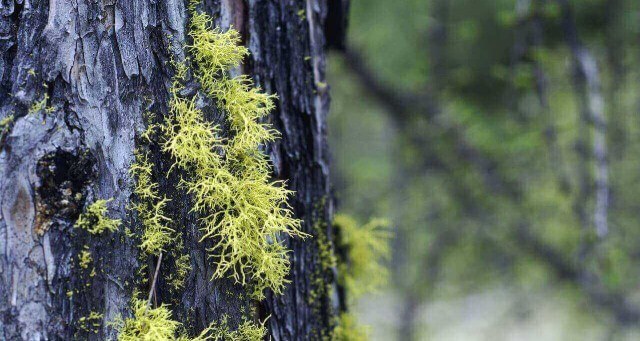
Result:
x=501 y=140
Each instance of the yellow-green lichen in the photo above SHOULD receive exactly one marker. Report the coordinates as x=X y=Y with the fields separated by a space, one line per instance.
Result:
x=147 y=324
x=150 y=208
x=5 y=123
x=95 y=221
x=156 y=324
x=302 y=14
x=84 y=259
x=244 y=212
x=348 y=329
x=246 y=331
x=326 y=261
x=183 y=266
x=41 y=105
x=367 y=249
x=90 y=323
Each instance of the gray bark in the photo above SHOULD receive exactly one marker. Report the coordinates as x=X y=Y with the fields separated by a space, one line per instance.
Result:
x=102 y=65
x=591 y=101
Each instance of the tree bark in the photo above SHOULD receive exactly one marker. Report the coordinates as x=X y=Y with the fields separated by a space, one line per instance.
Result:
x=99 y=66
x=591 y=103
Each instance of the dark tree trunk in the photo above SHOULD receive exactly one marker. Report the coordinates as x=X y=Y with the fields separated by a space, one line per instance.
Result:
x=98 y=66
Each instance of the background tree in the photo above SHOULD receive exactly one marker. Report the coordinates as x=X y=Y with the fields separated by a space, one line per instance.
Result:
x=498 y=136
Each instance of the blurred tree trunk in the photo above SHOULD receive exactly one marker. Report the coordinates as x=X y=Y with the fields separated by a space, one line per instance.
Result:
x=591 y=103
x=95 y=68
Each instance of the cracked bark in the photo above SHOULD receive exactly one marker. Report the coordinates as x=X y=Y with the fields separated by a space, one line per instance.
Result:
x=102 y=64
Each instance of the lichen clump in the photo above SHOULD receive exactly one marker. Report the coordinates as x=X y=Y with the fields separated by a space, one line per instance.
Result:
x=150 y=207
x=91 y=323
x=5 y=123
x=84 y=259
x=156 y=324
x=361 y=267
x=148 y=324
x=243 y=212
x=95 y=221
x=246 y=331
x=367 y=249
x=183 y=266
x=41 y=105
x=348 y=329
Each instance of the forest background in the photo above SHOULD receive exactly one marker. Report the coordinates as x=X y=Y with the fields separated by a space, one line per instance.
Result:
x=501 y=139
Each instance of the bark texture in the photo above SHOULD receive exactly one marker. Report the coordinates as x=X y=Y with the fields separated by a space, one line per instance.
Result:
x=98 y=66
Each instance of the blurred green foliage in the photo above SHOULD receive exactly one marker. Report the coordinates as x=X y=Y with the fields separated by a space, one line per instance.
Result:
x=507 y=151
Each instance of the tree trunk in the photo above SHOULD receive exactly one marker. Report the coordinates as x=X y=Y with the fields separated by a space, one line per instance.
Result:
x=77 y=77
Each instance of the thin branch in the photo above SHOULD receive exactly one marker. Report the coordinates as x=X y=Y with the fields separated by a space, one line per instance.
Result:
x=394 y=101
x=155 y=279
x=589 y=283
x=403 y=107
